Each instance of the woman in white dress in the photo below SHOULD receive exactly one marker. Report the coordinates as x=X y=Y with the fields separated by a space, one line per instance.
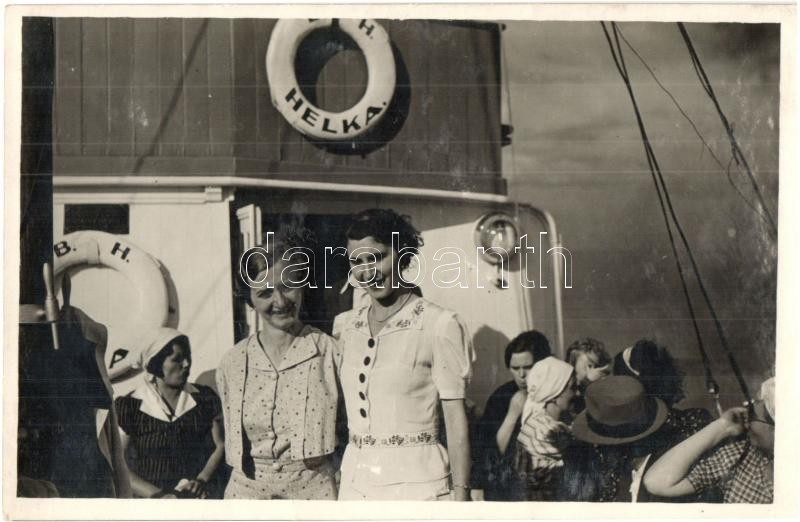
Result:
x=406 y=363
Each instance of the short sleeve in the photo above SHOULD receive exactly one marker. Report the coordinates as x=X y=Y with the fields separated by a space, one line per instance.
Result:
x=452 y=356
x=212 y=407
x=338 y=325
x=712 y=469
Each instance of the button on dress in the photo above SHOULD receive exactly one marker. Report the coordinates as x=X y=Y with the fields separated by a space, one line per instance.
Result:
x=392 y=384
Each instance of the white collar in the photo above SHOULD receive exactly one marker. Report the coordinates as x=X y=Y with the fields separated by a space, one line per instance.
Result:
x=626 y=356
x=637 y=474
x=153 y=404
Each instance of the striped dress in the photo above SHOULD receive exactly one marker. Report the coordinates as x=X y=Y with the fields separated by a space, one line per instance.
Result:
x=163 y=453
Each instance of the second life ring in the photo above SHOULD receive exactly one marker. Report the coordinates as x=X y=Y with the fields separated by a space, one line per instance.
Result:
x=94 y=248
x=305 y=116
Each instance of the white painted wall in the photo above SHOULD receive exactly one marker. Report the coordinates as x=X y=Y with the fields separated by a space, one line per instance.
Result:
x=192 y=241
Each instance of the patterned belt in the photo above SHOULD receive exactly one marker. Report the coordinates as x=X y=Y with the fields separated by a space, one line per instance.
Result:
x=395 y=440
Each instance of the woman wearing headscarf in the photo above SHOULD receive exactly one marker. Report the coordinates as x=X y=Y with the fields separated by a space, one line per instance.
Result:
x=544 y=434
x=173 y=427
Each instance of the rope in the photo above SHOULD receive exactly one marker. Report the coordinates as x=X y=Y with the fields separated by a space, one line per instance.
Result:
x=737 y=151
x=726 y=169
x=666 y=205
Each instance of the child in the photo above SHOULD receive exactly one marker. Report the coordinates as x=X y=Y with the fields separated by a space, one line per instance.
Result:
x=590 y=359
x=551 y=388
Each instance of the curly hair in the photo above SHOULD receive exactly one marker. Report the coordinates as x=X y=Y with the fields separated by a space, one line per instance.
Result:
x=284 y=239
x=380 y=223
x=588 y=345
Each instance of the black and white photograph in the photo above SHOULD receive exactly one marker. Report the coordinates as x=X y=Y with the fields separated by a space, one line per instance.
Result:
x=512 y=262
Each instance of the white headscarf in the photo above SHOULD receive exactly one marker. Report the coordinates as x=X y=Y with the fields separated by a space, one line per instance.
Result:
x=152 y=402
x=546 y=381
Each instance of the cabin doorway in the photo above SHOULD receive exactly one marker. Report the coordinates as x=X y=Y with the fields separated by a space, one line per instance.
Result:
x=328 y=294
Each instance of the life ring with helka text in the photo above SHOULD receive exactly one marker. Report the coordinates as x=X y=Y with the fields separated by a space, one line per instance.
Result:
x=314 y=121
x=100 y=249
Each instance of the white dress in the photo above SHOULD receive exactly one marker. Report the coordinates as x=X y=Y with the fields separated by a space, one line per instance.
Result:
x=392 y=384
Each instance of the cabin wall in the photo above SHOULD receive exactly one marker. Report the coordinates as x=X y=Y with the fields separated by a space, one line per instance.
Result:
x=191 y=96
x=198 y=273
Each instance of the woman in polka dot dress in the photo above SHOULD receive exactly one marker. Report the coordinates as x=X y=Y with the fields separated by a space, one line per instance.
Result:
x=404 y=361
x=279 y=393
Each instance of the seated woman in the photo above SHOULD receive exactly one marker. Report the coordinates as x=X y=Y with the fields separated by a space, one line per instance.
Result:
x=495 y=455
x=544 y=434
x=173 y=427
x=735 y=453
x=278 y=387
x=655 y=368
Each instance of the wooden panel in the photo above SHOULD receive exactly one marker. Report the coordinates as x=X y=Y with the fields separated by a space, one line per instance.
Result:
x=95 y=86
x=475 y=108
x=457 y=126
x=244 y=80
x=172 y=112
x=410 y=150
x=266 y=130
x=120 y=94
x=220 y=88
x=489 y=56
x=146 y=107
x=379 y=157
x=67 y=104
x=437 y=115
x=176 y=87
x=195 y=47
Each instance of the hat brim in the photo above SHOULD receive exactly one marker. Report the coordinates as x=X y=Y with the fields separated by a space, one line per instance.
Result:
x=582 y=431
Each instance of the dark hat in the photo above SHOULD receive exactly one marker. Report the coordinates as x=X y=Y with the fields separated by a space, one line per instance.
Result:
x=618 y=412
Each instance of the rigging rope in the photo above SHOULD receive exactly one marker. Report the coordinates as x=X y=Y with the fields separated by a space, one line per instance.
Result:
x=666 y=205
x=725 y=169
x=737 y=151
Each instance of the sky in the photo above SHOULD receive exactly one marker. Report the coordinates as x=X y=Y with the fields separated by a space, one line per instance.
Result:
x=576 y=152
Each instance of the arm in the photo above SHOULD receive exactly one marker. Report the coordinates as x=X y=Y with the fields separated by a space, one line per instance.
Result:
x=455 y=422
x=141 y=488
x=506 y=431
x=197 y=486
x=668 y=476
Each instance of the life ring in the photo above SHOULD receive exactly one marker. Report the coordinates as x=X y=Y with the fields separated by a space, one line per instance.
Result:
x=310 y=119
x=94 y=248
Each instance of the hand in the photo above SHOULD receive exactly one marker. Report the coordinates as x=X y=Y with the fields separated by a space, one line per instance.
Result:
x=733 y=422
x=476 y=495
x=460 y=494
x=196 y=487
x=517 y=404
x=595 y=374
